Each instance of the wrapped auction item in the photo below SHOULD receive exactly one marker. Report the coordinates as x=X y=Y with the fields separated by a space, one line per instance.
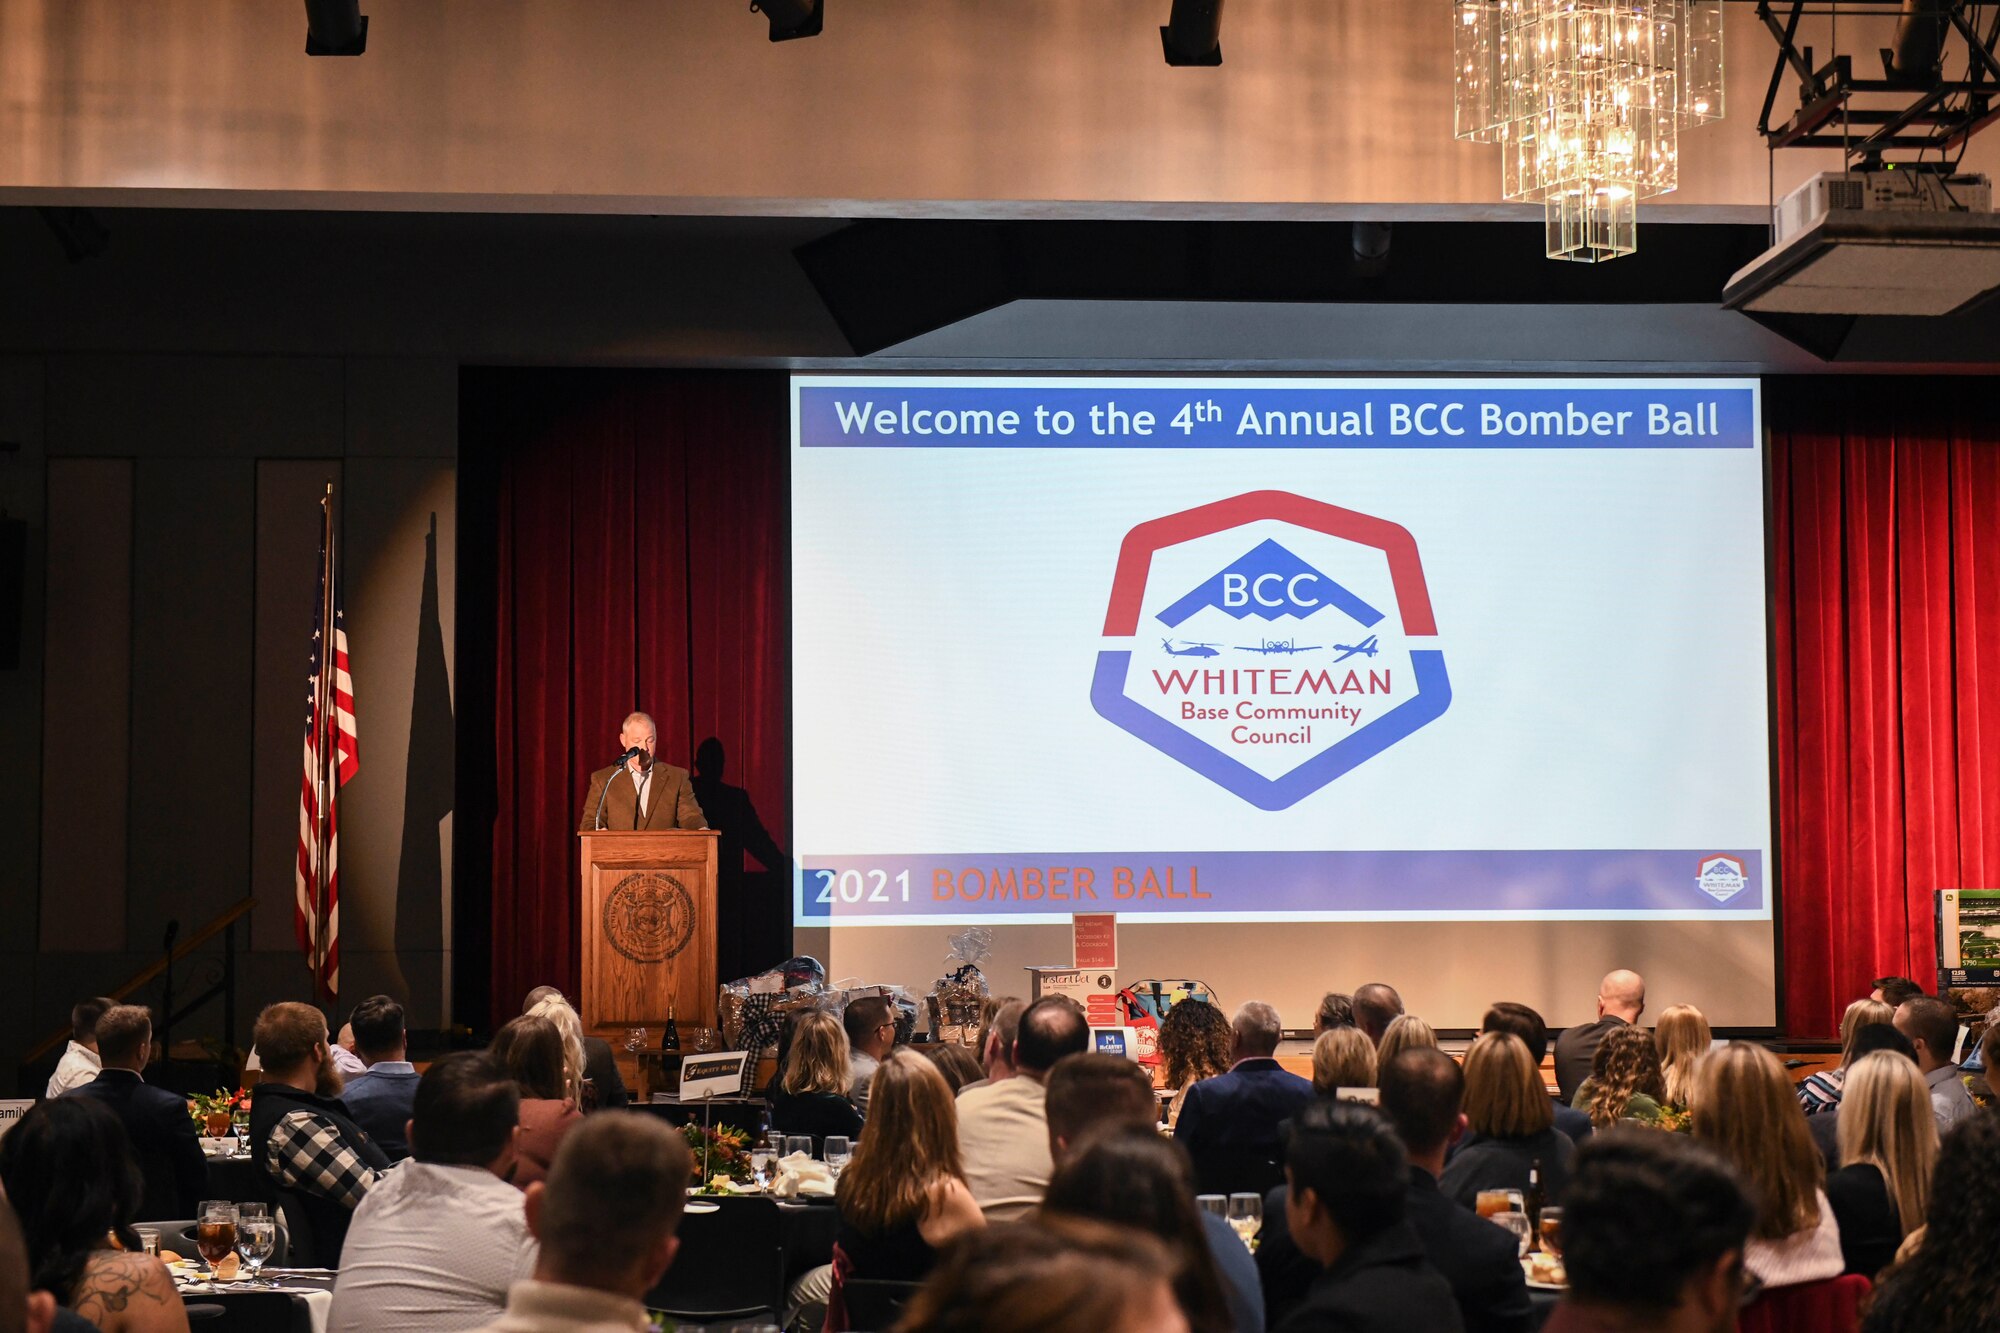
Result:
x=751 y=1011
x=959 y=998
x=1143 y=1004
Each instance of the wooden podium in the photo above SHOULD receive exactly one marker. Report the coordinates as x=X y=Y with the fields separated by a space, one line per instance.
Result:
x=648 y=933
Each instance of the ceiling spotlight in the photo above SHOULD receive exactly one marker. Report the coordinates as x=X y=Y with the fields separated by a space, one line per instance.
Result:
x=335 y=28
x=792 y=18
x=1193 y=35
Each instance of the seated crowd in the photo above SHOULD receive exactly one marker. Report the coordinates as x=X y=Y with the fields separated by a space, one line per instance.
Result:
x=1028 y=1184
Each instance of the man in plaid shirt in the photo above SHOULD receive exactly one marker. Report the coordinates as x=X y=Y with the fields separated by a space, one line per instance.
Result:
x=301 y=1133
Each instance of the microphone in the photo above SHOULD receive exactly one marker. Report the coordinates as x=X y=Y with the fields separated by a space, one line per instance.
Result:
x=630 y=755
x=597 y=820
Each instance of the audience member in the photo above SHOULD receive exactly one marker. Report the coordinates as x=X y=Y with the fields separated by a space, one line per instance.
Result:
x=1091 y=1095
x=811 y=1096
x=1744 y=1109
x=22 y=1309
x=1949 y=1282
x=1892 y=991
x=1652 y=1235
x=575 y=1060
x=1868 y=1039
x=1820 y=1092
x=1064 y=1275
x=1194 y=1044
x=1621 y=998
x=1003 y=1128
x=960 y=1067
x=1682 y=1038
x=1335 y=1011
x=1407 y=1033
x=80 y=1063
x=1376 y=1005
x=1241 y=1114
x=1136 y=1179
x=1932 y=1027
x=438 y=1242
x=300 y=1131
x=1625 y=1081
x=1421 y=1093
x=1525 y=1023
x=529 y=1050
x=342 y=1051
x=600 y=1066
x=66 y=1167
x=904 y=1195
x=871 y=1034
x=380 y=1097
x=1345 y=1203
x=156 y=1121
x=1343 y=1058
x=604 y=1220
x=1512 y=1126
x=1888 y=1151
x=996 y=1042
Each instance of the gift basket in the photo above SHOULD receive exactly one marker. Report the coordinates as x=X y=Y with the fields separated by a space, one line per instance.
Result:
x=901 y=1004
x=959 y=998
x=753 y=1011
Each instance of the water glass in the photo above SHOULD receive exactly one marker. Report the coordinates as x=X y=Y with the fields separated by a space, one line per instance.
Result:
x=256 y=1237
x=1519 y=1225
x=1491 y=1202
x=1246 y=1215
x=149 y=1240
x=1213 y=1203
x=838 y=1153
x=215 y=1231
x=1552 y=1220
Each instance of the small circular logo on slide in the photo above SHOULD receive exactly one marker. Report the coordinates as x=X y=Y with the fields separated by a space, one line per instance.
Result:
x=648 y=917
x=1270 y=642
x=1721 y=877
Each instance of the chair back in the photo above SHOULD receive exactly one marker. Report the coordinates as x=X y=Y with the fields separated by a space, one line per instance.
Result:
x=874 y=1304
x=295 y=1224
x=178 y=1238
x=731 y=1264
x=1831 y=1306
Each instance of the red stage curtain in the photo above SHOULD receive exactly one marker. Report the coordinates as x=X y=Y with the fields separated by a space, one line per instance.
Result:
x=641 y=522
x=1885 y=543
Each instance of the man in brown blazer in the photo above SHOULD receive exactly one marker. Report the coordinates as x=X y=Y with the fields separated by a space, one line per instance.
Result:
x=644 y=794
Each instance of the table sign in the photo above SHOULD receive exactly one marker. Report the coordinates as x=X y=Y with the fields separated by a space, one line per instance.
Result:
x=1095 y=940
x=705 y=1076
x=11 y=1110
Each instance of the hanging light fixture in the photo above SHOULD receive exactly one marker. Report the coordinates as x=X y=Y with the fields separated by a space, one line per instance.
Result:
x=1586 y=99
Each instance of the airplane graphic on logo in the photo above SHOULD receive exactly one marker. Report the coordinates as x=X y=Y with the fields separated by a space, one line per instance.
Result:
x=1269 y=582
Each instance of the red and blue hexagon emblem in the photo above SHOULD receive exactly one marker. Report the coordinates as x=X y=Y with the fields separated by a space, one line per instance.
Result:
x=1270 y=642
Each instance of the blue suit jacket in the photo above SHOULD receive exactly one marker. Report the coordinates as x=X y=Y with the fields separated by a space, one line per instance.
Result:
x=1245 y=1108
x=381 y=1101
x=163 y=1142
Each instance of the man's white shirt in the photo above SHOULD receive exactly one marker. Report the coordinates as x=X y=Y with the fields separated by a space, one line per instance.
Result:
x=78 y=1066
x=431 y=1247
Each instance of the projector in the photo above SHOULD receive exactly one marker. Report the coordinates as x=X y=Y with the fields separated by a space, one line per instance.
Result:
x=1883 y=191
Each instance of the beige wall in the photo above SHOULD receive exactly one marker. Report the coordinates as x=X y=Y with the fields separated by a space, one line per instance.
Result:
x=681 y=105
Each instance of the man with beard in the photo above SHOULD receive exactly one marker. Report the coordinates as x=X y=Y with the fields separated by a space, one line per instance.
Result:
x=301 y=1133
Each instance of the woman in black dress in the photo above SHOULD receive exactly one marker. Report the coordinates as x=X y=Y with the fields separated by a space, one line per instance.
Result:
x=811 y=1093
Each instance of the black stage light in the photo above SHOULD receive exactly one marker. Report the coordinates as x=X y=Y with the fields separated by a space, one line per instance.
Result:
x=335 y=28
x=792 y=18
x=1193 y=35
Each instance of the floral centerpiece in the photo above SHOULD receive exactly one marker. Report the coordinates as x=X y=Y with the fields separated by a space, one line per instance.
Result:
x=215 y=1110
x=721 y=1156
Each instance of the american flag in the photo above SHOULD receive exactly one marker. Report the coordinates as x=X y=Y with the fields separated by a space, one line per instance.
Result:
x=332 y=756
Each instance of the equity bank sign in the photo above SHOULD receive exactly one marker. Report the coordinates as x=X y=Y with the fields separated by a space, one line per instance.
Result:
x=1270 y=642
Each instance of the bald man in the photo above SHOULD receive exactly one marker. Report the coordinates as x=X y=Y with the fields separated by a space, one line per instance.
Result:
x=643 y=794
x=1621 y=998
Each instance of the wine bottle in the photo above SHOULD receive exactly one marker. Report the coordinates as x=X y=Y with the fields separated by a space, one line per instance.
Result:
x=1531 y=1200
x=670 y=1035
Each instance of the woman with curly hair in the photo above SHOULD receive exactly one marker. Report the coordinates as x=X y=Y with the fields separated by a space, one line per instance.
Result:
x=1195 y=1043
x=1682 y=1038
x=1950 y=1284
x=1625 y=1080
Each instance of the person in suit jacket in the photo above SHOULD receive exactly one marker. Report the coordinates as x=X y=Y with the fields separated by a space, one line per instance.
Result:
x=647 y=794
x=157 y=1121
x=1240 y=1115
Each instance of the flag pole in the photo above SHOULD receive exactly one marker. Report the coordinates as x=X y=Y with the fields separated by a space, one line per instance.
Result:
x=328 y=731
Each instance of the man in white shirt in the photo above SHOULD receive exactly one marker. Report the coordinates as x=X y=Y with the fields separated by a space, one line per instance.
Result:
x=605 y=1218
x=436 y=1243
x=1932 y=1027
x=79 y=1064
x=871 y=1034
x=1003 y=1128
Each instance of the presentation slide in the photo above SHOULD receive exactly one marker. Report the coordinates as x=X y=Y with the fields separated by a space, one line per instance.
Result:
x=1278 y=650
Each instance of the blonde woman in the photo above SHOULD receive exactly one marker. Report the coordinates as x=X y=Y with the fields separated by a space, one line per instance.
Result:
x=1888 y=1152
x=1407 y=1033
x=1343 y=1058
x=569 y=1027
x=1625 y=1082
x=1820 y=1092
x=1744 y=1109
x=904 y=1194
x=811 y=1097
x=1682 y=1038
x=1510 y=1124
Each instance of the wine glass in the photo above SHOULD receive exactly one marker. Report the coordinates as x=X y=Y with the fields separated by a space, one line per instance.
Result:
x=1519 y=1225
x=635 y=1040
x=256 y=1237
x=838 y=1153
x=800 y=1144
x=1213 y=1203
x=1246 y=1215
x=215 y=1231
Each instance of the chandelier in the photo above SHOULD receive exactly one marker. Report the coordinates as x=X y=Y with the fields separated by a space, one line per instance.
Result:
x=1586 y=99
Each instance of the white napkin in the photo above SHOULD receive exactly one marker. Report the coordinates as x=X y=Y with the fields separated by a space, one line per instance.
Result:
x=799 y=1175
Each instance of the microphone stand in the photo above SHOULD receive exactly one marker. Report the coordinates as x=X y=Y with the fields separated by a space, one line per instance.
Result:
x=597 y=820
